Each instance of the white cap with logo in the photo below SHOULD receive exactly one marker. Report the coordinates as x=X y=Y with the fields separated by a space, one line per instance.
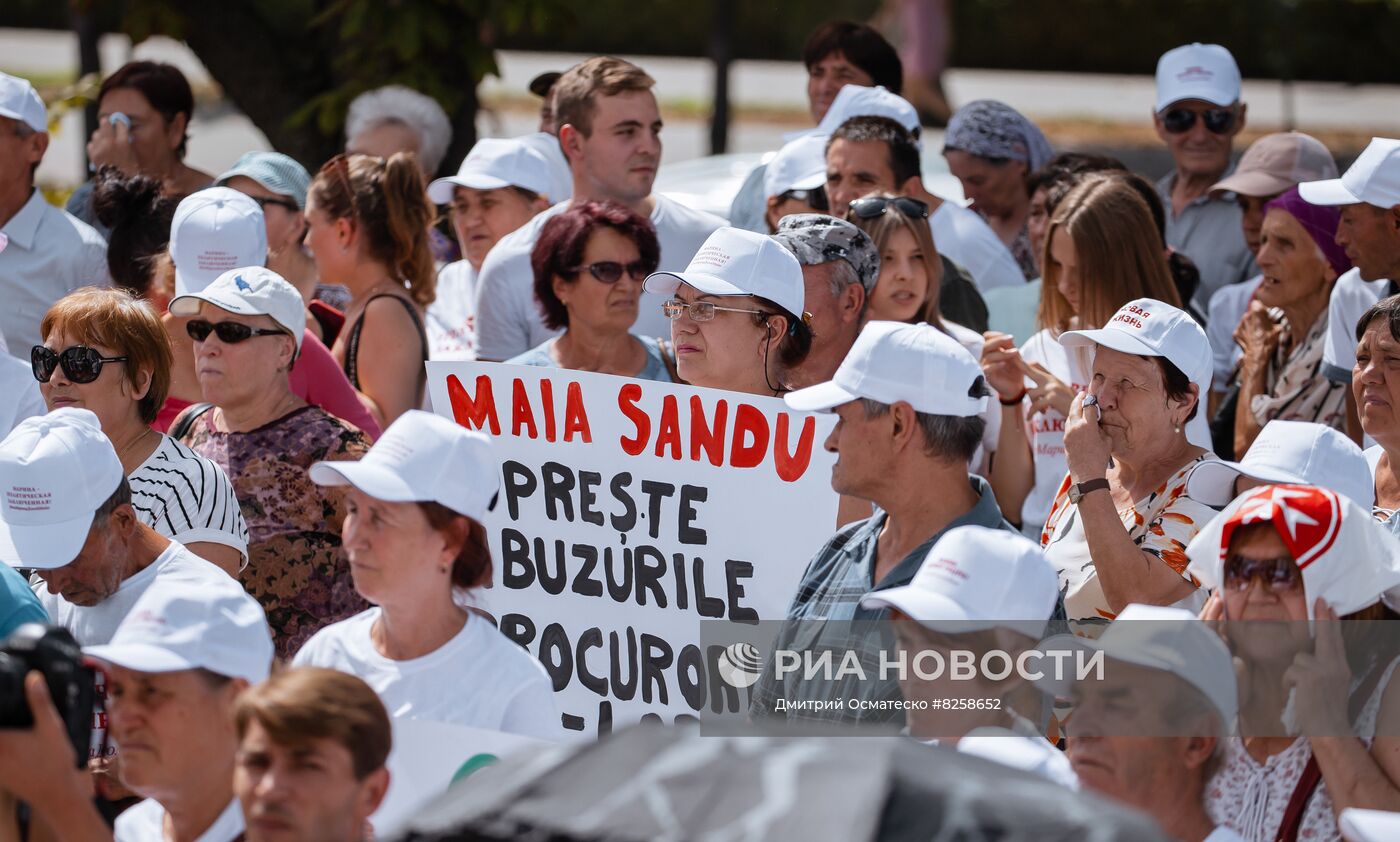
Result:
x=1372 y=179
x=1197 y=71
x=799 y=165
x=178 y=625
x=494 y=163
x=250 y=291
x=892 y=362
x=976 y=578
x=423 y=458
x=56 y=471
x=215 y=230
x=19 y=101
x=859 y=101
x=1298 y=452
x=737 y=262
x=1151 y=328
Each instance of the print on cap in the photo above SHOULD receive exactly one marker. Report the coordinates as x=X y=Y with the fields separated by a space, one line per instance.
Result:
x=711 y=256
x=1195 y=73
x=1306 y=517
x=242 y=284
x=1128 y=316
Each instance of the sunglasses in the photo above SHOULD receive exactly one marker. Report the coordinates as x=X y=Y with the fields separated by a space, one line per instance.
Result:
x=1217 y=120
x=874 y=206
x=701 y=311
x=80 y=363
x=815 y=198
x=610 y=271
x=1278 y=574
x=264 y=201
x=229 y=333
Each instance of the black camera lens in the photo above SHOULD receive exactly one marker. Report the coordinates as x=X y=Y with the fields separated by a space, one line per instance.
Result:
x=14 y=710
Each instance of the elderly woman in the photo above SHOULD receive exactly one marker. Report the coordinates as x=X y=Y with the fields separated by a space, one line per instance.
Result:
x=418 y=551
x=104 y=350
x=247 y=330
x=1121 y=520
x=589 y=265
x=1283 y=332
x=1315 y=677
x=737 y=318
x=992 y=149
x=1377 y=396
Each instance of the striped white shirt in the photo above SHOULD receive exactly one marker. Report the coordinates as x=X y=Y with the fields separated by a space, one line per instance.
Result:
x=187 y=498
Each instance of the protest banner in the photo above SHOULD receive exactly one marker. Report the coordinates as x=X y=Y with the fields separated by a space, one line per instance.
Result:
x=629 y=512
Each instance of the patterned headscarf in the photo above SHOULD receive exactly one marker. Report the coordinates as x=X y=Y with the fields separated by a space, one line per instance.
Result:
x=991 y=129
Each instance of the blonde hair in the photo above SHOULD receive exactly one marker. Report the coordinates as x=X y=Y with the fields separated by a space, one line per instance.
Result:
x=881 y=228
x=575 y=94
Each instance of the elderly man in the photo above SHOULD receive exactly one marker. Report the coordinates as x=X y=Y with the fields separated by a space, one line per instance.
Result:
x=1197 y=115
x=45 y=253
x=839 y=269
x=908 y=399
x=1148 y=731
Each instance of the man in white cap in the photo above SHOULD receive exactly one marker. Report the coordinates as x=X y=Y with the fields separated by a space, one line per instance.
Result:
x=795 y=180
x=499 y=187
x=909 y=400
x=610 y=130
x=1296 y=452
x=1369 y=196
x=1197 y=115
x=45 y=253
x=1148 y=730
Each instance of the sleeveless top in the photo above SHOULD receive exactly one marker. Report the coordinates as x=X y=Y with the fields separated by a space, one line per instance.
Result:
x=352 y=342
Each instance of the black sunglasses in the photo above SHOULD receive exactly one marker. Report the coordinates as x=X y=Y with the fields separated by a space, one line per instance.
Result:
x=610 y=271
x=816 y=197
x=229 y=333
x=873 y=206
x=81 y=364
x=289 y=204
x=1217 y=120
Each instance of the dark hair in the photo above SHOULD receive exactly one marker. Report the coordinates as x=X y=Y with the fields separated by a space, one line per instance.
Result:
x=1178 y=385
x=118 y=498
x=904 y=153
x=472 y=567
x=1389 y=308
x=797 y=341
x=139 y=217
x=862 y=46
x=163 y=86
x=563 y=240
x=952 y=438
x=1062 y=172
x=301 y=704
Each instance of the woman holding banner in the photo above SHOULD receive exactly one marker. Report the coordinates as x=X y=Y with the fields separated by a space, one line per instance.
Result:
x=417 y=548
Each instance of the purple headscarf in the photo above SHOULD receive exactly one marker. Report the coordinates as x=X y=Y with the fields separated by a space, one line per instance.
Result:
x=1320 y=221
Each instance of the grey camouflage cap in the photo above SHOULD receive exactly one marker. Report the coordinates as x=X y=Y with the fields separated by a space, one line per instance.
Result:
x=816 y=238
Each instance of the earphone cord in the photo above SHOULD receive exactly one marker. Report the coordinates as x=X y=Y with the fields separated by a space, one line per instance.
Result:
x=777 y=390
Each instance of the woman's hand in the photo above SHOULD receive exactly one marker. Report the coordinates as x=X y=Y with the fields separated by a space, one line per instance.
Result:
x=110 y=145
x=1002 y=364
x=1258 y=334
x=1049 y=391
x=1319 y=679
x=1086 y=445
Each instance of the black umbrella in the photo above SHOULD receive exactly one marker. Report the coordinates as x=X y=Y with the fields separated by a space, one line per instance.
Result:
x=652 y=783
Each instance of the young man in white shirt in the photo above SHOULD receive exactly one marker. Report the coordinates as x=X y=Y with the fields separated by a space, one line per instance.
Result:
x=610 y=130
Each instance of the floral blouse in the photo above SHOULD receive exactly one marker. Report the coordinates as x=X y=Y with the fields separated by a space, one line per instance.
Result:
x=295 y=565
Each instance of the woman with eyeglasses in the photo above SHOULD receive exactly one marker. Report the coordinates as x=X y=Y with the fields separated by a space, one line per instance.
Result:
x=589 y=264
x=104 y=350
x=247 y=328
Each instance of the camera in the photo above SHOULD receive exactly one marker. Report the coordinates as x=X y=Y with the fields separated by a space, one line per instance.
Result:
x=54 y=653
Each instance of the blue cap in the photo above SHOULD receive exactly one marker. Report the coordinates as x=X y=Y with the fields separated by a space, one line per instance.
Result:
x=275 y=171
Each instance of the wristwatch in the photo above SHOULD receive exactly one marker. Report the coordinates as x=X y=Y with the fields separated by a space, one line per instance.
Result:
x=1077 y=491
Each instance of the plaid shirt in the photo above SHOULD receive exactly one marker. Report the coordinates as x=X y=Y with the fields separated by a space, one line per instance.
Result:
x=837 y=578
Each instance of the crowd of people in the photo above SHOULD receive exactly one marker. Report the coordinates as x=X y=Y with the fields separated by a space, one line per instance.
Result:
x=1080 y=402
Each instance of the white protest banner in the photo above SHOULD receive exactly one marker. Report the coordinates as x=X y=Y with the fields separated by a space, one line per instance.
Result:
x=629 y=512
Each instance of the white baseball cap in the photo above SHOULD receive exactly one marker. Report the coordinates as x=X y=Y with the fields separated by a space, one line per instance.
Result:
x=561 y=178
x=19 y=101
x=1169 y=639
x=799 y=165
x=859 y=101
x=1298 y=452
x=737 y=262
x=977 y=578
x=1197 y=71
x=214 y=230
x=893 y=361
x=492 y=164
x=179 y=625
x=56 y=471
x=250 y=291
x=1372 y=179
x=1151 y=328
x=423 y=458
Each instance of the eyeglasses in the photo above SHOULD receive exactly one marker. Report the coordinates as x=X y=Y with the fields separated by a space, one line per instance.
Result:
x=264 y=201
x=1279 y=574
x=610 y=271
x=816 y=197
x=229 y=333
x=80 y=363
x=701 y=311
x=873 y=206
x=1217 y=120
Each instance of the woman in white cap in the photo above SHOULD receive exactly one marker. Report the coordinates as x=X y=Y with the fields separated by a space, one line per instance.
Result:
x=1375 y=384
x=417 y=550
x=499 y=187
x=1122 y=517
x=247 y=330
x=737 y=317
x=1318 y=710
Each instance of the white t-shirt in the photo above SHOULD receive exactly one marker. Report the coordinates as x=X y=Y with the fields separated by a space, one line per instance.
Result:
x=145 y=822
x=187 y=498
x=1032 y=754
x=19 y=393
x=1351 y=297
x=451 y=318
x=479 y=678
x=1227 y=306
x=508 y=317
x=966 y=239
